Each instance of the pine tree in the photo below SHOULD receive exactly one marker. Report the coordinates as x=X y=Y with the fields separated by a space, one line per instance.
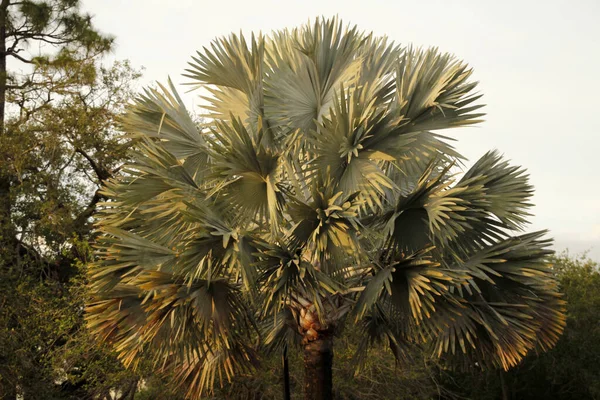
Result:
x=53 y=42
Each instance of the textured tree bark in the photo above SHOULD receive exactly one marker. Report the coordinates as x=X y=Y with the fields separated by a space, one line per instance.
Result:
x=318 y=363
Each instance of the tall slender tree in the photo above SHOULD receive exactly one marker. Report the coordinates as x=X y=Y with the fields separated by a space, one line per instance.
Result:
x=318 y=192
x=52 y=42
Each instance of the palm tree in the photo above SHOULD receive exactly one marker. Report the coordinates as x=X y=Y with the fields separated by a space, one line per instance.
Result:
x=317 y=192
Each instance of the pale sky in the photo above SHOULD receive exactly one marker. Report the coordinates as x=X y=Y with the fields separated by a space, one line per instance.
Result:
x=538 y=63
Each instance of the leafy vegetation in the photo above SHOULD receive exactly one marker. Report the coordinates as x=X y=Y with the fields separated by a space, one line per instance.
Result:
x=317 y=193
x=36 y=82
x=60 y=140
x=62 y=152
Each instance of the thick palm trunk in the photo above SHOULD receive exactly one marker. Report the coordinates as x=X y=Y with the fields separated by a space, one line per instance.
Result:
x=318 y=362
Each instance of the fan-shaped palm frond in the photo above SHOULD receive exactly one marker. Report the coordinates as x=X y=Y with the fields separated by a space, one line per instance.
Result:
x=318 y=190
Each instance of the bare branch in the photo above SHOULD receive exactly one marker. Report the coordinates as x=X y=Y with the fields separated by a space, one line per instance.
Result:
x=100 y=171
x=26 y=84
x=81 y=221
x=18 y=57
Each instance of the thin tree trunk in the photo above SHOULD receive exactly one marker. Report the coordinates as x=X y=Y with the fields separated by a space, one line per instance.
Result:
x=3 y=74
x=318 y=374
x=133 y=389
x=505 y=395
x=286 y=375
x=6 y=229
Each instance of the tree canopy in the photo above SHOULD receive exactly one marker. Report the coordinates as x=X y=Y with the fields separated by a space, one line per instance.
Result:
x=317 y=191
x=58 y=141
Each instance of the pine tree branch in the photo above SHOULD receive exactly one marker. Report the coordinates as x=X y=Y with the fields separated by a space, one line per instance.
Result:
x=47 y=38
x=20 y=58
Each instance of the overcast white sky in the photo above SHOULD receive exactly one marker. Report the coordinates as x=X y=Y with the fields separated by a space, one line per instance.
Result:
x=538 y=64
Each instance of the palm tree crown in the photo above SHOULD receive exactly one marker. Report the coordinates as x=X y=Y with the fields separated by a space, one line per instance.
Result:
x=316 y=191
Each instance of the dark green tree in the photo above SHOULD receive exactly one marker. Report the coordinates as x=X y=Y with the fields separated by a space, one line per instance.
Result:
x=58 y=142
x=46 y=351
x=54 y=43
x=63 y=153
x=318 y=192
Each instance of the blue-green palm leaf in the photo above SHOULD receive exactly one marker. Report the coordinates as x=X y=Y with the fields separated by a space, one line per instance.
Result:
x=317 y=190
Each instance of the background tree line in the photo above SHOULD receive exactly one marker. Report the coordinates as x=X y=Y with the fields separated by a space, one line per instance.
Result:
x=59 y=140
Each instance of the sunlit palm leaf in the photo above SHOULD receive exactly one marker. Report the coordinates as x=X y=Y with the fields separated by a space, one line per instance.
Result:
x=509 y=306
x=318 y=187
